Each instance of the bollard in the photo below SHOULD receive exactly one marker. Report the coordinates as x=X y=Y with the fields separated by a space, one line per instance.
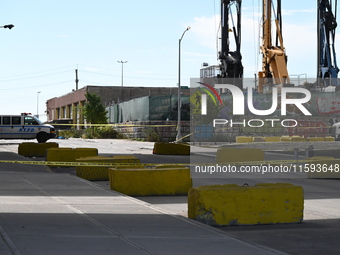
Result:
x=296 y=153
x=309 y=152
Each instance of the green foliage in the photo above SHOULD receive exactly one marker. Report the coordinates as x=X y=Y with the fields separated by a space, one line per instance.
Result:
x=70 y=133
x=94 y=110
x=151 y=135
x=107 y=132
x=92 y=133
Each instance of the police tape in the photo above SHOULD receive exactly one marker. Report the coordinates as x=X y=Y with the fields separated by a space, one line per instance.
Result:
x=161 y=125
x=96 y=164
x=113 y=125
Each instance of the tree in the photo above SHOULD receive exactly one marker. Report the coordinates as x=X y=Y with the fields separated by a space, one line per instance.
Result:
x=94 y=110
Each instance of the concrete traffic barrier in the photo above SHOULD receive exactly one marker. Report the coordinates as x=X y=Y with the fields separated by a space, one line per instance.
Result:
x=322 y=168
x=225 y=205
x=100 y=173
x=272 y=139
x=69 y=154
x=151 y=182
x=244 y=139
x=171 y=148
x=225 y=155
x=285 y=139
x=168 y=166
x=298 y=139
x=35 y=149
x=258 y=139
x=316 y=139
x=329 y=139
x=122 y=167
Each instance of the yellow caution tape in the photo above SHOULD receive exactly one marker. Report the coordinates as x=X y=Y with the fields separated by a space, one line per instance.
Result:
x=74 y=164
x=114 y=125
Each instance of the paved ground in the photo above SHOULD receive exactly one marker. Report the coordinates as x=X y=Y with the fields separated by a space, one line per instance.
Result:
x=318 y=234
x=52 y=213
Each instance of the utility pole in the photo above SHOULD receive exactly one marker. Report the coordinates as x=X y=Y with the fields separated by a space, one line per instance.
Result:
x=122 y=62
x=38 y=103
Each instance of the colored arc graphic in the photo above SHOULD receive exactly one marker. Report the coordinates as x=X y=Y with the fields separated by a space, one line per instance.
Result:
x=209 y=93
x=213 y=90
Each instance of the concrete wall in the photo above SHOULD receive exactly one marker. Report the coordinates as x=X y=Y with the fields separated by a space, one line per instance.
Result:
x=164 y=131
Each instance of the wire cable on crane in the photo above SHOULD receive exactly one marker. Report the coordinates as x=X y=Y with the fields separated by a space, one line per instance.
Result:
x=256 y=26
x=217 y=30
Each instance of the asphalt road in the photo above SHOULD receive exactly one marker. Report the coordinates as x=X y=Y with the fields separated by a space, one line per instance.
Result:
x=317 y=234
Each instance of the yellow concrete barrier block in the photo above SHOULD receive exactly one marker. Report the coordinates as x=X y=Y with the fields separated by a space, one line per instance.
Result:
x=258 y=139
x=171 y=148
x=69 y=154
x=60 y=154
x=323 y=168
x=225 y=155
x=272 y=139
x=151 y=182
x=225 y=205
x=122 y=167
x=100 y=173
x=316 y=139
x=298 y=139
x=285 y=139
x=85 y=152
x=126 y=159
x=167 y=166
x=35 y=149
x=244 y=139
x=329 y=139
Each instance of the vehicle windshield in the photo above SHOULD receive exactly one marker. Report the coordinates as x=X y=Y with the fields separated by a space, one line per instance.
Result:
x=37 y=120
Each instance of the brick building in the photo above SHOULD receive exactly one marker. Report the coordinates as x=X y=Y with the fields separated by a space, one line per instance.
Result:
x=69 y=108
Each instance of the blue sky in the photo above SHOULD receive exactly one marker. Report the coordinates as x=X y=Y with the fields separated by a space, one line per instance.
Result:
x=53 y=38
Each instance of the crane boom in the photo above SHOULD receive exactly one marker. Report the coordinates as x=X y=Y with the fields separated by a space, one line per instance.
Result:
x=327 y=65
x=274 y=59
x=230 y=61
x=230 y=65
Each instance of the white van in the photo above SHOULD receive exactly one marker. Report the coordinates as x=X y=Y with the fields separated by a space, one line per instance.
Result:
x=25 y=126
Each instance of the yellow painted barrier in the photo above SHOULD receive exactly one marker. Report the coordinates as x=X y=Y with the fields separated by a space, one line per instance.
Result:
x=122 y=167
x=100 y=173
x=323 y=168
x=316 y=139
x=238 y=155
x=258 y=139
x=35 y=149
x=171 y=148
x=298 y=139
x=151 y=182
x=230 y=204
x=244 y=139
x=285 y=139
x=69 y=154
x=272 y=139
x=329 y=139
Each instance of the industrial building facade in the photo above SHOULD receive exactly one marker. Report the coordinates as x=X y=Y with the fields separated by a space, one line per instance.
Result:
x=69 y=108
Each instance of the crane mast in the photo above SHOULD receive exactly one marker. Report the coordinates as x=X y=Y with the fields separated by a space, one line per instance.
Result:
x=230 y=61
x=230 y=66
x=327 y=65
x=274 y=59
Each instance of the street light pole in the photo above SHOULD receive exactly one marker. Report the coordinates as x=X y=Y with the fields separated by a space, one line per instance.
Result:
x=122 y=62
x=179 y=135
x=38 y=103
